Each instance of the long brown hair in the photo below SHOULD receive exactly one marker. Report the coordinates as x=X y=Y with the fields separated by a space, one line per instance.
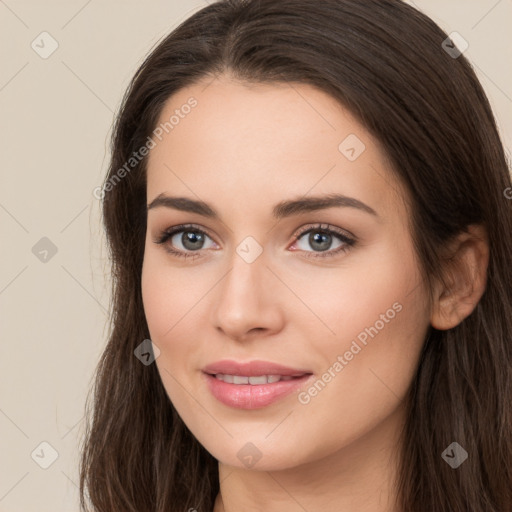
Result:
x=386 y=63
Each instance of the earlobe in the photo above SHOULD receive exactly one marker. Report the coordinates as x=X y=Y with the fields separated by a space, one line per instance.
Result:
x=465 y=271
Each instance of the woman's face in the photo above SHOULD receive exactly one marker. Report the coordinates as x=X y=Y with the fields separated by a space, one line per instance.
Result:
x=271 y=271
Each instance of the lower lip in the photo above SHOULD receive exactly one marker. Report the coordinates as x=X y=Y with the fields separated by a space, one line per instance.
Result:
x=252 y=396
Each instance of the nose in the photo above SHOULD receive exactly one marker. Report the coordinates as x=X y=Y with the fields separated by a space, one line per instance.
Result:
x=247 y=303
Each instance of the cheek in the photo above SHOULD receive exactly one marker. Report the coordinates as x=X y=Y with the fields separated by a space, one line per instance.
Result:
x=170 y=295
x=176 y=304
x=367 y=374
x=380 y=318
x=346 y=299
x=158 y=302
x=168 y=307
x=374 y=315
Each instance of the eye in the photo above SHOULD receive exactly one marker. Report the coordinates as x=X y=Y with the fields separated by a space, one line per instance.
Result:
x=321 y=239
x=183 y=240
x=188 y=241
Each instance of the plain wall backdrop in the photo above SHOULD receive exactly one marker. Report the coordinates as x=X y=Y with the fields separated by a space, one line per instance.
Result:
x=57 y=105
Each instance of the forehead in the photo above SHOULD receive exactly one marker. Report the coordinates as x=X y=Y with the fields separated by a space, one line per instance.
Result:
x=265 y=142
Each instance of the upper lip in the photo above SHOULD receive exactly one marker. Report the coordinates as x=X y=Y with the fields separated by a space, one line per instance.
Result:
x=252 y=369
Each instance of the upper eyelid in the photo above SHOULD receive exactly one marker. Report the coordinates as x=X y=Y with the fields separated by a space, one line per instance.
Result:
x=325 y=227
x=186 y=227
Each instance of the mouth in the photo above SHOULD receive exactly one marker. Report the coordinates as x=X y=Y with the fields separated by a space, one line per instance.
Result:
x=256 y=380
x=253 y=388
x=240 y=371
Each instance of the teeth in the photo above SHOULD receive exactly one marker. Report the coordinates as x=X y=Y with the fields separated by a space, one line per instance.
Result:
x=260 y=379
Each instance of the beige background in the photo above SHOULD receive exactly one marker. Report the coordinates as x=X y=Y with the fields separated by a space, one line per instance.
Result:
x=56 y=119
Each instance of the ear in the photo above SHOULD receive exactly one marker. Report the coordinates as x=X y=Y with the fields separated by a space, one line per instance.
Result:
x=465 y=271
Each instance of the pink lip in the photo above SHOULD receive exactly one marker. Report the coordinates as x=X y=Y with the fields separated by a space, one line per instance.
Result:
x=252 y=396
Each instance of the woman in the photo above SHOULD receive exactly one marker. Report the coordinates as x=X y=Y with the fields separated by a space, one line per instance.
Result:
x=308 y=220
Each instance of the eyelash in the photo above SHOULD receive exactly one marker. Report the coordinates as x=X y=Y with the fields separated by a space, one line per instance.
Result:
x=320 y=228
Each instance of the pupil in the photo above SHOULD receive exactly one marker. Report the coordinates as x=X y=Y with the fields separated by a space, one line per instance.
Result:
x=192 y=240
x=322 y=241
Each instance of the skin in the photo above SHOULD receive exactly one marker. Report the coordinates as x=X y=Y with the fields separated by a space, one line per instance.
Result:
x=243 y=149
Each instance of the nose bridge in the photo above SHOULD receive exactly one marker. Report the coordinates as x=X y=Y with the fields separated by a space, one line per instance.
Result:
x=244 y=300
x=244 y=283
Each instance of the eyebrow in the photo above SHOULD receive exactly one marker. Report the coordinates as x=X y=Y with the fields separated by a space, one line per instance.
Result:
x=281 y=210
